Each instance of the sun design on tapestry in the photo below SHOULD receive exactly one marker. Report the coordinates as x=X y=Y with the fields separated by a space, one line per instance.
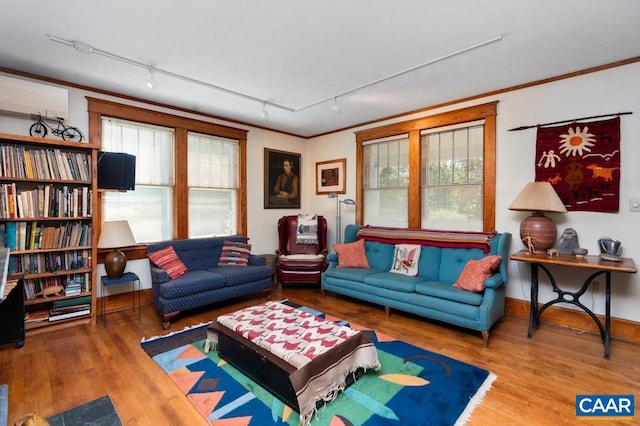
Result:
x=575 y=142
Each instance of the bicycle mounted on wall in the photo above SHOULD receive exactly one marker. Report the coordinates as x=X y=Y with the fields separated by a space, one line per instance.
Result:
x=67 y=133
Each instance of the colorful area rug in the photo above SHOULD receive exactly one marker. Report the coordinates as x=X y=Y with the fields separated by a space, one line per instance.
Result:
x=413 y=387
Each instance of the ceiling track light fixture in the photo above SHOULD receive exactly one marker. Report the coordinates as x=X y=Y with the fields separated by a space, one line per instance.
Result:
x=152 y=82
x=85 y=48
x=335 y=107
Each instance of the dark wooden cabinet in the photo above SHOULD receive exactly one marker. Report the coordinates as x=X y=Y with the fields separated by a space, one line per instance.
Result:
x=12 y=314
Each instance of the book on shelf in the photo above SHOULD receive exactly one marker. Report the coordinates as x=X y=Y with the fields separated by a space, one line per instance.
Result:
x=36 y=316
x=11 y=235
x=79 y=313
x=68 y=309
x=64 y=303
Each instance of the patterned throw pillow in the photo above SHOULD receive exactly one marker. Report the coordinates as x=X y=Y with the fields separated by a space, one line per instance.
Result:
x=475 y=272
x=351 y=255
x=234 y=254
x=405 y=259
x=168 y=260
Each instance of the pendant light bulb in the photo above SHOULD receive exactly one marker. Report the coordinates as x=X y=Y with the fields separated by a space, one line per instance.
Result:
x=264 y=114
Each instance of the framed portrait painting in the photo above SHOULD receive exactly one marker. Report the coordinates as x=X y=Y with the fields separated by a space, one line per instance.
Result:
x=281 y=179
x=330 y=176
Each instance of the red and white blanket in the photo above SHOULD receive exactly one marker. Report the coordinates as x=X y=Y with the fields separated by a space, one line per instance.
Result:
x=322 y=353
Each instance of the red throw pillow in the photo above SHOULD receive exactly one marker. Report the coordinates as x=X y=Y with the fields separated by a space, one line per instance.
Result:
x=476 y=271
x=168 y=260
x=234 y=254
x=351 y=255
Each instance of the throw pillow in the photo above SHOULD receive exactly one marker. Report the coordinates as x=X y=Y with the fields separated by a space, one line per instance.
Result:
x=475 y=272
x=351 y=255
x=168 y=259
x=234 y=254
x=405 y=259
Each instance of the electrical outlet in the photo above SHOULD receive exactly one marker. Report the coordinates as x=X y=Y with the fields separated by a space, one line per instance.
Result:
x=595 y=286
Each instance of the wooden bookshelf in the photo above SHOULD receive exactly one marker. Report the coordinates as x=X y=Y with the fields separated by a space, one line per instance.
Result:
x=48 y=193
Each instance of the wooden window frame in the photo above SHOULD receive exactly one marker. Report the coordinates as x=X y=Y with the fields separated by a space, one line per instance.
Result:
x=486 y=112
x=97 y=108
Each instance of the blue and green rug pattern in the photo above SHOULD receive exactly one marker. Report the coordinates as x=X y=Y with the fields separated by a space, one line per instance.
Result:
x=413 y=387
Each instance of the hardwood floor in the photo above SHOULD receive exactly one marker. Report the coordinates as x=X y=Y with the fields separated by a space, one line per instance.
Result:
x=538 y=378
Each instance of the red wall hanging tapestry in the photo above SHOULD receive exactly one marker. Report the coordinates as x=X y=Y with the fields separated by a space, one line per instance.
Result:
x=582 y=162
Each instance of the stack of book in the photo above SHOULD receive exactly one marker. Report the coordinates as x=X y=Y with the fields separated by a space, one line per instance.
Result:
x=72 y=288
x=70 y=308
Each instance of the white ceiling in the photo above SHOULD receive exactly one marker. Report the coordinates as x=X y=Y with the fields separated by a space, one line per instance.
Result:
x=297 y=53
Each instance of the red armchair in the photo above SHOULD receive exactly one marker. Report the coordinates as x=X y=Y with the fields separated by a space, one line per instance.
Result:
x=300 y=263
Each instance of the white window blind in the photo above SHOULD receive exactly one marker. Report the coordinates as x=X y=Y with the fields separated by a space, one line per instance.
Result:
x=452 y=176
x=386 y=181
x=149 y=208
x=214 y=179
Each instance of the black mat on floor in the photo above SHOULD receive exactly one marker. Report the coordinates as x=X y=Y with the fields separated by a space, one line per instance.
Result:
x=99 y=412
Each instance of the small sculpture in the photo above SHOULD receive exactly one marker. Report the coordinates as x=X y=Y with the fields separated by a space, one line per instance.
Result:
x=553 y=252
x=54 y=290
x=528 y=241
x=568 y=241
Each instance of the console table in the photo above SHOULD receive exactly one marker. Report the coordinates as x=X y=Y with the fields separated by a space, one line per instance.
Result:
x=593 y=264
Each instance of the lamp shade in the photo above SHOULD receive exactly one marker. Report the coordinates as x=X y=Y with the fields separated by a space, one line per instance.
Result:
x=114 y=235
x=538 y=197
x=538 y=232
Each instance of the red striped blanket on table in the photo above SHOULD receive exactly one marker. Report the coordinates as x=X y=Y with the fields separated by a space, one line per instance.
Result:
x=320 y=354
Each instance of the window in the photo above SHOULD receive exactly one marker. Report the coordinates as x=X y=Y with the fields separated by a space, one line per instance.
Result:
x=168 y=150
x=149 y=209
x=452 y=178
x=213 y=185
x=434 y=172
x=386 y=181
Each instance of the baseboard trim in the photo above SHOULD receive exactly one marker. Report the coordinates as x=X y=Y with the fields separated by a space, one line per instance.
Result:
x=620 y=328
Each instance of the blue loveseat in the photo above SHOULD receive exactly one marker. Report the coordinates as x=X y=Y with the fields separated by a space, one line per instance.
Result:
x=430 y=293
x=205 y=282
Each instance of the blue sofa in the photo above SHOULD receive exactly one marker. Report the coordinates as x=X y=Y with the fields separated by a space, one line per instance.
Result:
x=205 y=282
x=430 y=293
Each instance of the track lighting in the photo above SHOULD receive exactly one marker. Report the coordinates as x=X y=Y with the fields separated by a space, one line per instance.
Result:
x=82 y=47
x=88 y=49
x=152 y=82
x=336 y=106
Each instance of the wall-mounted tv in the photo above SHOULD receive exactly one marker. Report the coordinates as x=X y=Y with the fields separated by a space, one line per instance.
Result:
x=116 y=170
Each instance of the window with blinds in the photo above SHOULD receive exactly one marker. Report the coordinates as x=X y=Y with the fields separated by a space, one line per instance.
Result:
x=386 y=181
x=214 y=178
x=149 y=209
x=452 y=171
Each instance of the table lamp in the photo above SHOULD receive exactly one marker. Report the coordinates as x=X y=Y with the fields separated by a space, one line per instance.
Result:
x=538 y=232
x=115 y=234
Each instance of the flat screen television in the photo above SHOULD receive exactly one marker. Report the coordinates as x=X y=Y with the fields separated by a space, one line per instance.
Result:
x=116 y=170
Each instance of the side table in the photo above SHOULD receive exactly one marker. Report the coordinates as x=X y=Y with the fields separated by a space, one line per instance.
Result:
x=593 y=264
x=270 y=260
x=127 y=277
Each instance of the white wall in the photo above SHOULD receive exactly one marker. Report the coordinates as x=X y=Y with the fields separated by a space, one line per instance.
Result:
x=261 y=222
x=614 y=90
x=609 y=91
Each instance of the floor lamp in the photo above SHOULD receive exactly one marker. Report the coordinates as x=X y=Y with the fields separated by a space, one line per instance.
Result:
x=339 y=202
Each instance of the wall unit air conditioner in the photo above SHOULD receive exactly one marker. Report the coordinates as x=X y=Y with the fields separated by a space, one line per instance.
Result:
x=29 y=98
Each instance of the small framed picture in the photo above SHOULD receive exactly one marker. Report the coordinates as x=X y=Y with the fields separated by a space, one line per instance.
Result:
x=331 y=176
x=281 y=179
